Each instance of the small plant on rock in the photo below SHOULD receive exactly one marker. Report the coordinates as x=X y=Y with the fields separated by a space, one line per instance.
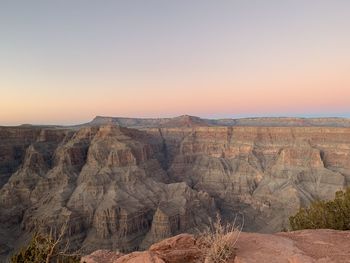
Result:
x=218 y=241
x=48 y=248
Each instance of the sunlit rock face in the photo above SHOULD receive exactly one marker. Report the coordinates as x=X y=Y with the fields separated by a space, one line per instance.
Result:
x=108 y=183
x=266 y=173
x=122 y=188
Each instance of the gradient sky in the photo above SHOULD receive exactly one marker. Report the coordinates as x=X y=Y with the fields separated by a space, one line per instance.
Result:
x=66 y=61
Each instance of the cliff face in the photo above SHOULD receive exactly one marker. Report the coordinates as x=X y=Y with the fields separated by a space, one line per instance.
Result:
x=13 y=145
x=124 y=188
x=107 y=183
x=264 y=173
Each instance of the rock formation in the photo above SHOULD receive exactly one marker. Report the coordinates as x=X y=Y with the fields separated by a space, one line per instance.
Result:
x=122 y=188
x=306 y=246
x=192 y=121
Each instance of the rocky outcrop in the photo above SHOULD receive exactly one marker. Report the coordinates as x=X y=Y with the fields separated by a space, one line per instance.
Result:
x=181 y=248
x=306 y=246
x=121 y=188
x=178 y=249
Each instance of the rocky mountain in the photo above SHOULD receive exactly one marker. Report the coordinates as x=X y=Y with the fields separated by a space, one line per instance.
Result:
x=126 y=188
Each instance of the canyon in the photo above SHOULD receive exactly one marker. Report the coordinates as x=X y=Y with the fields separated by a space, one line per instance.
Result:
x=123 y=183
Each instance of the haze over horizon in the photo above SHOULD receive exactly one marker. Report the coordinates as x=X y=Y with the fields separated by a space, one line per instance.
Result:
x=65 y=62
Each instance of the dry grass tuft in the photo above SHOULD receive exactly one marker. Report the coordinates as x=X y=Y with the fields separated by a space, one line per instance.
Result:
x=219 y=240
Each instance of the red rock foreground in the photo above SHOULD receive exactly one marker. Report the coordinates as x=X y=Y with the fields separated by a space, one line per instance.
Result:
x=307 y=246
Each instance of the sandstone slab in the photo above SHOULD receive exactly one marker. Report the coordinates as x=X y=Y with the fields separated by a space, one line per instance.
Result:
x=306 y=246
x=103 y=255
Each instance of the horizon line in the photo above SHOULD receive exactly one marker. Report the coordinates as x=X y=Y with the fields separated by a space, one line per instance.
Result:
x=345 y=116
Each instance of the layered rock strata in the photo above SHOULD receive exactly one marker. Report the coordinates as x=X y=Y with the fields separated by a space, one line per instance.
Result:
x=264 y=173
x=125 y=189
x=106 y=183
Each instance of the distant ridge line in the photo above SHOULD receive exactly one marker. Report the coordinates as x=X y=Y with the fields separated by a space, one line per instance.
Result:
x=193 y=121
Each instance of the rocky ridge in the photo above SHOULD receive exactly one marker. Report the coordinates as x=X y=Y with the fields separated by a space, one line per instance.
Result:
x=193 y=121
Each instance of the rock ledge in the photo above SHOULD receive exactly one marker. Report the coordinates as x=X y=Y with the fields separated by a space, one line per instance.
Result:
x=306 y=246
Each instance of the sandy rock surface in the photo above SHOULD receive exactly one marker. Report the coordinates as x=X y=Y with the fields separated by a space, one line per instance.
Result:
x=306 y=246
x=102 y=255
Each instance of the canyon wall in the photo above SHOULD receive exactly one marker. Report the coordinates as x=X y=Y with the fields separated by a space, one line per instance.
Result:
x=265 y=173
x=106 y=183
x=122 y=188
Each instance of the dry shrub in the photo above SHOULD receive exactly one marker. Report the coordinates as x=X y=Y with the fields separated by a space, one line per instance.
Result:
x=218 y=242
x=50 y=248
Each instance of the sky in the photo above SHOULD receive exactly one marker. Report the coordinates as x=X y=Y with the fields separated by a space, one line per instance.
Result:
x=64 y=62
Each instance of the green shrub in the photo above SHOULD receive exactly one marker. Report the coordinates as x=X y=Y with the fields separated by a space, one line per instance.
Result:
x=334 y=214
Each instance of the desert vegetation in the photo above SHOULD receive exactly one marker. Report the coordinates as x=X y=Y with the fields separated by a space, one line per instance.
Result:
x=218 y=241
x=49 y=248
x=332 y=214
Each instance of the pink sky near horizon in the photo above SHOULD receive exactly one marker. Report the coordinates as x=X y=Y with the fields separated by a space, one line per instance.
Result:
x=310 y=96
x=64 y=63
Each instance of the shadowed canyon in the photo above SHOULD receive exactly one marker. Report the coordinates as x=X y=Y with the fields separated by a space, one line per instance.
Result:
x=123 y=183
